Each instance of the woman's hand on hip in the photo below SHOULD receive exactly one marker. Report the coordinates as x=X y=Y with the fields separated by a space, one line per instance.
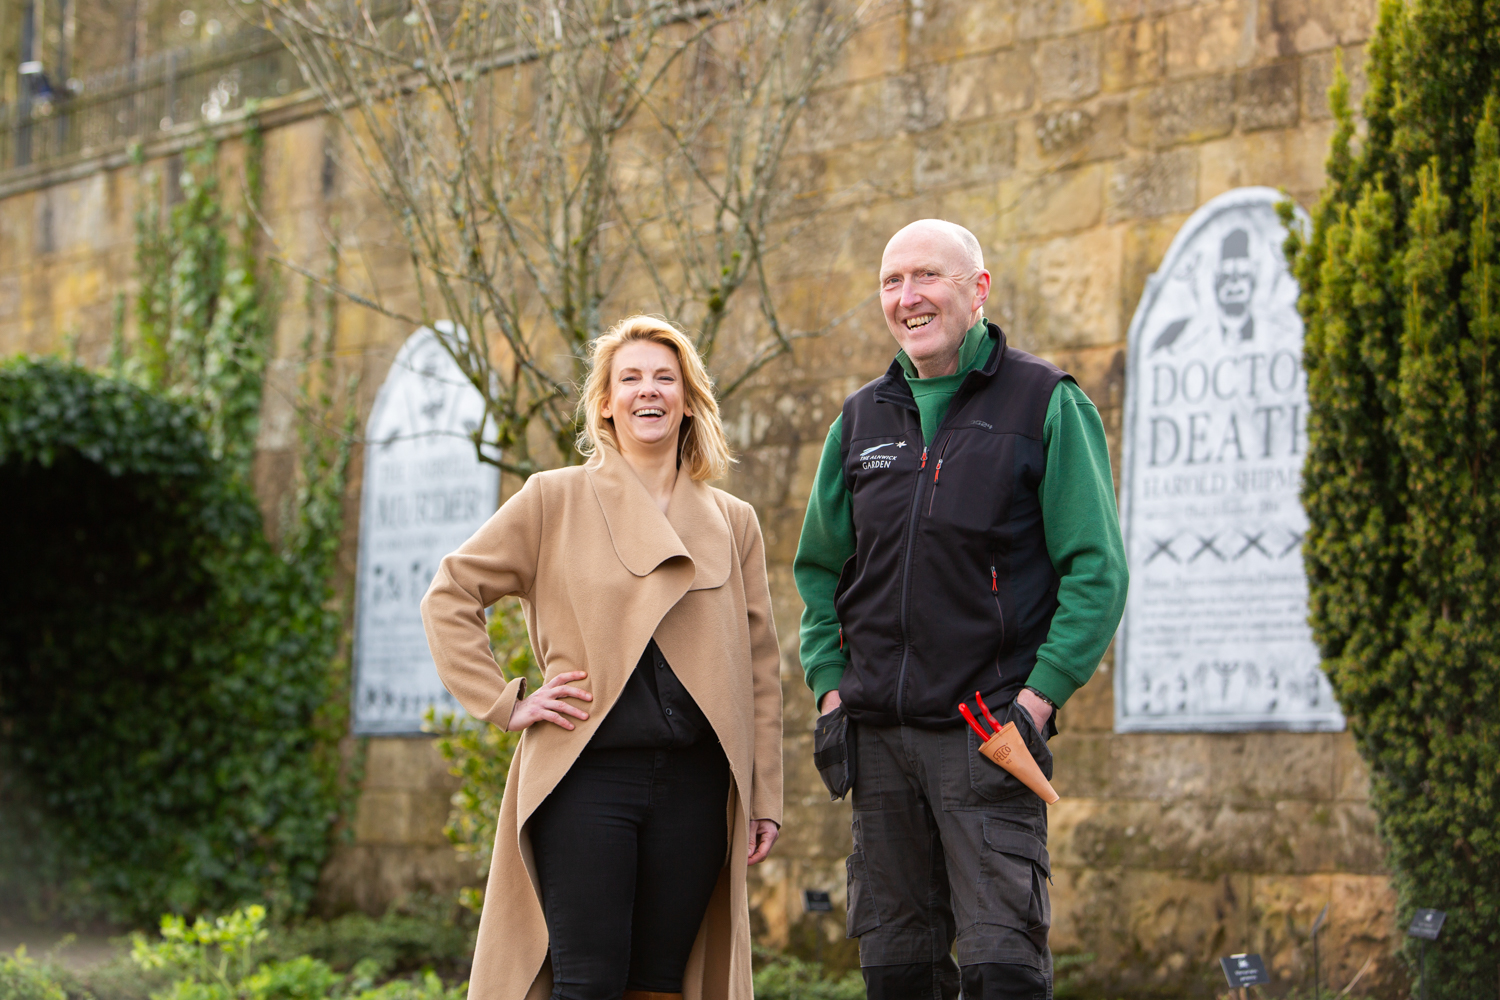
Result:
x=763 y=834
x=547 y=704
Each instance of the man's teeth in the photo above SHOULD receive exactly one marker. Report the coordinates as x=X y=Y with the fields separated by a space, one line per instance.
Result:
x=917 y=321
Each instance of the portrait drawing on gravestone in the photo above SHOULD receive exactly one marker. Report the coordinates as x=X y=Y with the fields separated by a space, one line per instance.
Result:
x=1215 y=633
x=425 y=492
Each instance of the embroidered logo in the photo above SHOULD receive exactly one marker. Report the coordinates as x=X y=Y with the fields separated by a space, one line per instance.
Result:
x=871 y=458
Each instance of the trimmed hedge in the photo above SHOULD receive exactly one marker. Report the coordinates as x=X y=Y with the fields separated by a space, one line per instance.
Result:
x=1401 y=294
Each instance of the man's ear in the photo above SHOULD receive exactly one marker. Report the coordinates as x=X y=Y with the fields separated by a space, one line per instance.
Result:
x=981 y=289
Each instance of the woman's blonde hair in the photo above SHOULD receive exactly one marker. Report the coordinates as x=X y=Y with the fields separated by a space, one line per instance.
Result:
x=701 y=445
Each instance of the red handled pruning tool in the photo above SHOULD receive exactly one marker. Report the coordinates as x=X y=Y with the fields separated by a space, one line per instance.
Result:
x=963 y=709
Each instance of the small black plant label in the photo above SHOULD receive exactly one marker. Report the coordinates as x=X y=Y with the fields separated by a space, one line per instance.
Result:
x=1427 y=924
x=816 y=901
x=1244 y=970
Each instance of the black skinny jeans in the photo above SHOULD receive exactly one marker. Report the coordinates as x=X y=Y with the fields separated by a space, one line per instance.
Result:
x=628 y=849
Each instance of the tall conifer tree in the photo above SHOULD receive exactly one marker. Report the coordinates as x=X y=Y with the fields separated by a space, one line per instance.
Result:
x=1402 y=482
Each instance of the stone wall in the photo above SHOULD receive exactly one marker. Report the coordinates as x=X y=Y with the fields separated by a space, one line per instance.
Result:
x=1073 y=137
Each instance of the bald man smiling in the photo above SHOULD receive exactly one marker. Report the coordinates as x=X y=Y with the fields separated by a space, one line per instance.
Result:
x=961 y=537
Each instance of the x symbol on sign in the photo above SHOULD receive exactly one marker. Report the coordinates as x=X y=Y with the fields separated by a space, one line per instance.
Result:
x=1253 y=542
x=1296 y=541
x=1163 y=548
x=1207 y=546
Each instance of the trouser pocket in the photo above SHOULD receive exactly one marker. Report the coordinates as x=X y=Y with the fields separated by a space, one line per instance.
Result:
x=1013 y=877
x=833 y=752
x=993 y=783
x=863 y=914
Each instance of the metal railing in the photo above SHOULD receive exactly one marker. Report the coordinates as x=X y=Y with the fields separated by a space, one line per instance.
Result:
x=111 y=109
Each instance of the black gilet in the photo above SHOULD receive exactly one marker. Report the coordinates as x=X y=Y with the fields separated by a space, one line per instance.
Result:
x=950 y=590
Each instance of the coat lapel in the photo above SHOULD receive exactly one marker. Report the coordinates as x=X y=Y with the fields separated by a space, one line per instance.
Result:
x=693 y=528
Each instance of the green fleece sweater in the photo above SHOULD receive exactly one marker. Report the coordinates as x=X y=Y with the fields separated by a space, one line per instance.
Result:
x=1078 y=511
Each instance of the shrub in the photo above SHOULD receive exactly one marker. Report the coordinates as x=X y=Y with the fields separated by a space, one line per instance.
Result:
x=23 y=979
x=1401 y=293
x=220 y=959
x=783 y=977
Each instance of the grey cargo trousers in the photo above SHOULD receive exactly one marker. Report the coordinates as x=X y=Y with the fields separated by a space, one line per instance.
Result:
x=948 y=848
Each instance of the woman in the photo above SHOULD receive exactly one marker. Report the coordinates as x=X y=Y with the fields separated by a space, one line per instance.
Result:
x=649 y=774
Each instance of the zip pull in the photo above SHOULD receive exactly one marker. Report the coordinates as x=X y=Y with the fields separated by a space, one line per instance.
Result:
x=937 y=472
x=841 y=637
x=994 y=585
x=924 y=460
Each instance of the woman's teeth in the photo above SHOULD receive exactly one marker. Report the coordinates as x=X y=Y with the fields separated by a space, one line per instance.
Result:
x=650 y=412
x=918 y=321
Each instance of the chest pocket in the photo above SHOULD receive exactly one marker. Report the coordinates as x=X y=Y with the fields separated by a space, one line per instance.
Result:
x=976 y=476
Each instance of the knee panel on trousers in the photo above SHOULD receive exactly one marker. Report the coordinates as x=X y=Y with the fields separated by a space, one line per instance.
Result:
x=919 y=981
x=995 y=981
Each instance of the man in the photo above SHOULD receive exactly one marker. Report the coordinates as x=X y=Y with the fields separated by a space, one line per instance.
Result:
x=961 y=536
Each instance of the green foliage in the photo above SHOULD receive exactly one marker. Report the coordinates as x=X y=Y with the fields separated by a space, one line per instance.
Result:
x=172 y=684
x=21 y=978
x=783 y=977
x=479 y=754
x=221 y=959
x=1402 y=483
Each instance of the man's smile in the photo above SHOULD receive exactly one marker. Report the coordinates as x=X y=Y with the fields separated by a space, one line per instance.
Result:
x=920 y=321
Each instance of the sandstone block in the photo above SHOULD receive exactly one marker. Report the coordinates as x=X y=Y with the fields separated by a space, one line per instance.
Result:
x=399 y=762
x=1285 y=27
x=841 y=116
x=1160 y=766
x=1070 y=136
x=1268 y=97
x=871 y=53
x=883 y=168
x=1146 y=186
x=1184 y=111
x=1352 y=782
x=1068 y=68
x=1068 y=293
x=1262 y=766
x=1292 y=159
x=763 y=475
x=383 y=817
x=1100 y=373
x=987 y=85
x=1146 y=246
x=1040 y=18
x=1059 y=201
x=1317 y=78
x=1132 y=55
x=972 y=154
x=1210 y=37
x=915 y=102
x=1082 y=765
x=952 y=29
x=10 y=302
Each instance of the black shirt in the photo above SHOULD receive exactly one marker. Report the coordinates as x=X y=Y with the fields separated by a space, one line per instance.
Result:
x=654 y=711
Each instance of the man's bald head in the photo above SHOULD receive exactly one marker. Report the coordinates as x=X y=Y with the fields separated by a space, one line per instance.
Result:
x=933 y=287
x=937 y=232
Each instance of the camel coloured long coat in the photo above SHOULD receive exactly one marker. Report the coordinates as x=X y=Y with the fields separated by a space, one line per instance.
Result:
x=600 y=570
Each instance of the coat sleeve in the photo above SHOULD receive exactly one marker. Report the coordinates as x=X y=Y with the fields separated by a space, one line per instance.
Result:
x=500 y=560
x=765 y=665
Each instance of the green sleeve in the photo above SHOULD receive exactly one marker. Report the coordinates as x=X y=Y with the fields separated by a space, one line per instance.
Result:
x=1083 y=541
x=827 y=542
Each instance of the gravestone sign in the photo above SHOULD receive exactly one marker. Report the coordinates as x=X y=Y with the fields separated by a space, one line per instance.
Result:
x=1215 y=633
x=425 y=492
